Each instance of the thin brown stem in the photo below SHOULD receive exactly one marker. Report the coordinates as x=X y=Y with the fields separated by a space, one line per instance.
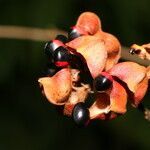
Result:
x=28 y=33
x=125 y=55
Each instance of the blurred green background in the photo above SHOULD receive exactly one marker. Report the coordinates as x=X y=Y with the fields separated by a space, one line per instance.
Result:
x=27 y=120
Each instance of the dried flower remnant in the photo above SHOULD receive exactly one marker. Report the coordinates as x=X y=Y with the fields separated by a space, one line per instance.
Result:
x=93 y=71
x=142 y=51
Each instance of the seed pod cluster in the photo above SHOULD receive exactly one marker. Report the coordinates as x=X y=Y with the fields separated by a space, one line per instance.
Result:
x=84 y=75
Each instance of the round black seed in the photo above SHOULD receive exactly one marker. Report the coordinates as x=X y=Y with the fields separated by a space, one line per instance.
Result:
x=132 y=51
x=102 y=83
x=49 y=50
x=73 y=34
x=61 y=38
x=80 y=114
x=50 y=47
x=61 y=54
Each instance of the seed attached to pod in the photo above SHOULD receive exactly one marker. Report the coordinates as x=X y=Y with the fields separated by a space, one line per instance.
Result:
x=61 y=57
x=75 y=32
x=51 y=46
x=61 y=38
x=80 y=114
x=103 y=82
x=132 y=51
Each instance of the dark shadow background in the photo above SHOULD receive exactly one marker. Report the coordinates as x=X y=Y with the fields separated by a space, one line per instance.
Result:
x=27 y=120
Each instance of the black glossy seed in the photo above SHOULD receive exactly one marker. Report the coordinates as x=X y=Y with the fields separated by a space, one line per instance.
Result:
x=50 y=47
x=62 y=38
x=132 y=51
x=102 y=83
x=73 y=34
x=49 y=50
x=61 y=54
x=80 y=114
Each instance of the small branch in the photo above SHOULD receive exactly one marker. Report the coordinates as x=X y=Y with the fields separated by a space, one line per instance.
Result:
x=127 y=56
x=28 y=33
x=37 y=34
